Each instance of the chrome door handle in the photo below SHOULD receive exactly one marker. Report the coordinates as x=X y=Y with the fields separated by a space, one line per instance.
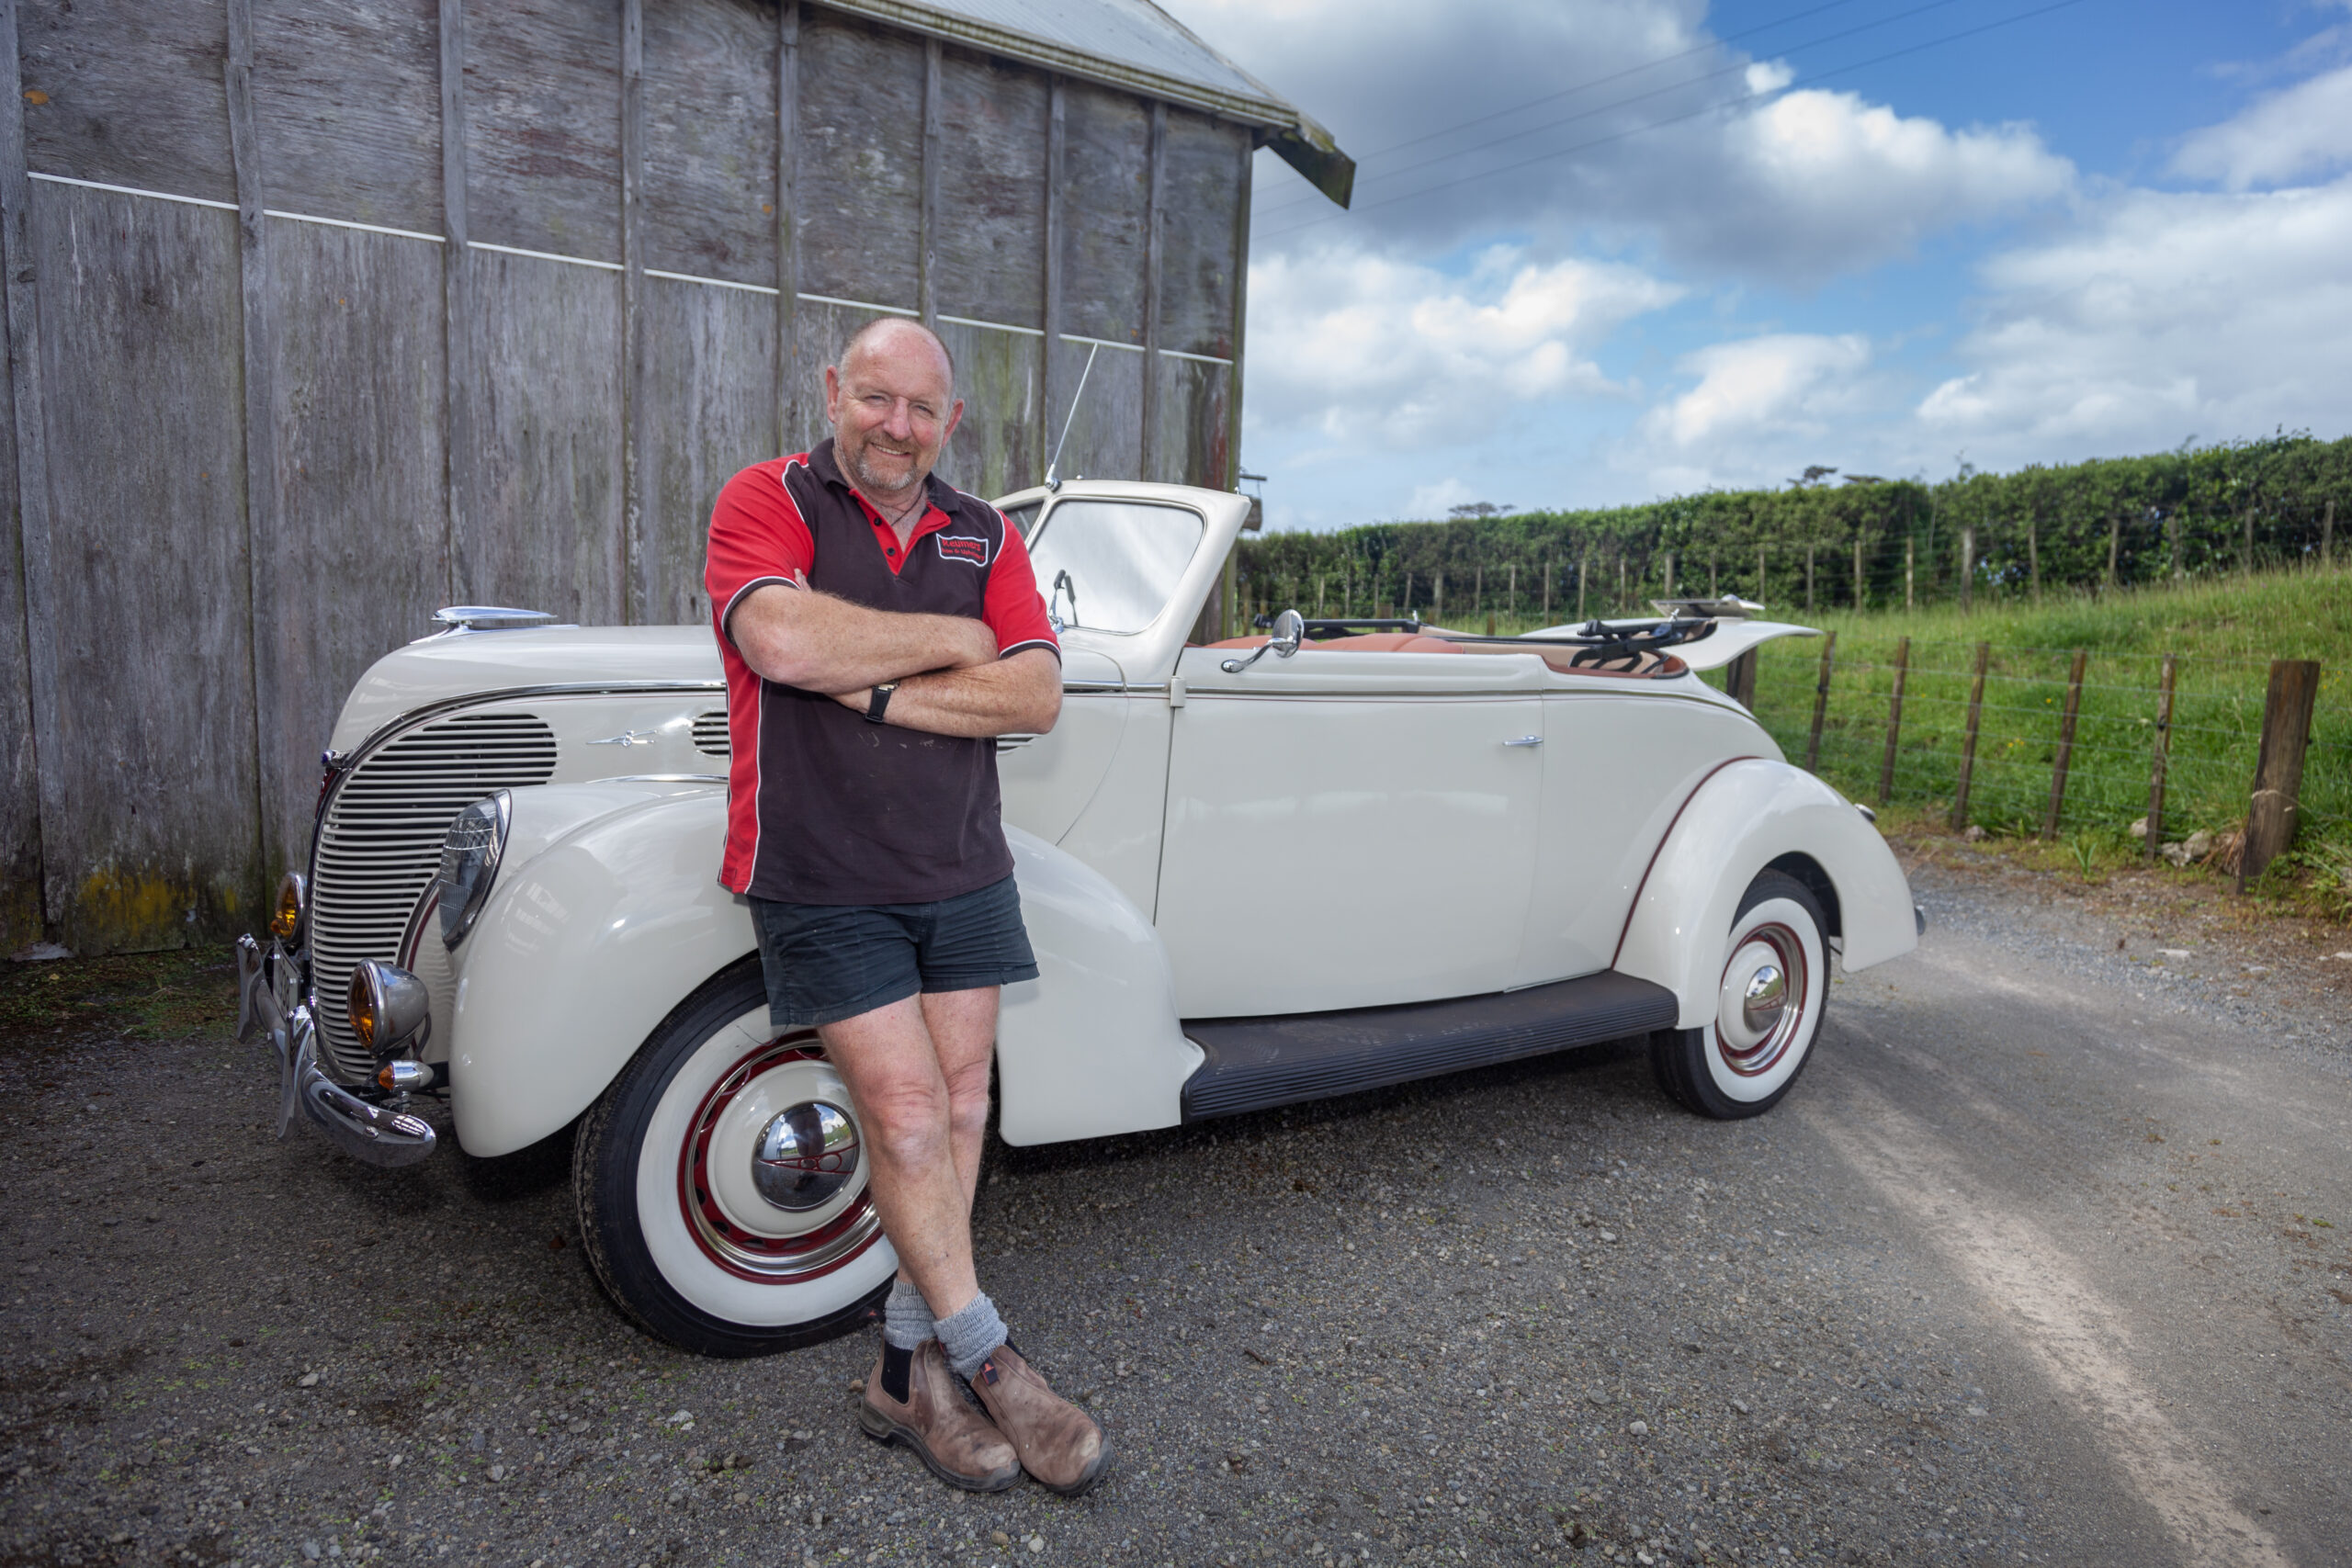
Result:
x=1526 y=740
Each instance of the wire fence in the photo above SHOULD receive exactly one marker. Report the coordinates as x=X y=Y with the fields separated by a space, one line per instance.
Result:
x=2210 y=748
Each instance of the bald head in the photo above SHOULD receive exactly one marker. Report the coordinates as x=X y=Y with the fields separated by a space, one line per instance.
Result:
x=891 y=401
x=899 y=335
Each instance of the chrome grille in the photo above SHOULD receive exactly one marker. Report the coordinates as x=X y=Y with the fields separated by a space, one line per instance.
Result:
x=381 y=842
x=710 y=734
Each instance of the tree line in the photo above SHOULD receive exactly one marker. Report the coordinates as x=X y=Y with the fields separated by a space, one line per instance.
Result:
x=1828 y=540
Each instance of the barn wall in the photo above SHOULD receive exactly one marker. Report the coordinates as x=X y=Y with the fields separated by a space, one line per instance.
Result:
x=495 y=338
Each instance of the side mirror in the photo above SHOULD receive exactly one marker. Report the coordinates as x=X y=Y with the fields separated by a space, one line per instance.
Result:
x=1290 y=631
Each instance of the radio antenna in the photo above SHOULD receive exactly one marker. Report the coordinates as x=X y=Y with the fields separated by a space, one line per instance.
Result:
x=1053 y=469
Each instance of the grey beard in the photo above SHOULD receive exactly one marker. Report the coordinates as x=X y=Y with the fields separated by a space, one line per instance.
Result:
x=872 y=483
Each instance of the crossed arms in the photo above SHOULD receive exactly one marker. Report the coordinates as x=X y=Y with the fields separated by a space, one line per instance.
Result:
x=951 y=681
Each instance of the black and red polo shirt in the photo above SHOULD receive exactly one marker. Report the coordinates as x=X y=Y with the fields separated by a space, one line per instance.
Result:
x=824 y=808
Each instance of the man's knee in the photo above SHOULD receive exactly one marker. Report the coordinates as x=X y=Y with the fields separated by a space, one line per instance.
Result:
x=906 y=1121
x=967 y=1098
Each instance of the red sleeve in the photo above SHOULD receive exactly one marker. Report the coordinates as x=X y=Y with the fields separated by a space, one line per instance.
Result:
x=757 y=536
x=1014 y=610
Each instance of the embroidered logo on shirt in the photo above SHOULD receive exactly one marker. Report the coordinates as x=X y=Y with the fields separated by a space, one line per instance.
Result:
x=963 y=547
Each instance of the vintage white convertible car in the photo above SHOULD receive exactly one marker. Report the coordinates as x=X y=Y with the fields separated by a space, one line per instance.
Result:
x=1306 y=865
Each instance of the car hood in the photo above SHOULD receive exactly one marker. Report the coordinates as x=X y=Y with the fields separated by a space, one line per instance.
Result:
x=453 y=666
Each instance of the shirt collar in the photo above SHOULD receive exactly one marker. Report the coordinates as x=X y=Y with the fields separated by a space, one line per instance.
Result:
x=935 y=491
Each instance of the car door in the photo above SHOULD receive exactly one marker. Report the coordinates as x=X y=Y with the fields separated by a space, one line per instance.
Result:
x=1348 y=830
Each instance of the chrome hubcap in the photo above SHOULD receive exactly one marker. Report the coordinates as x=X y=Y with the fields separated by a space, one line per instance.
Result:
x=805 y=1155
x=1767 y=992
x=1762 y=1003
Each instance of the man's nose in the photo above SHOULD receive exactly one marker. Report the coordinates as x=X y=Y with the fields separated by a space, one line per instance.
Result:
x=901 y=425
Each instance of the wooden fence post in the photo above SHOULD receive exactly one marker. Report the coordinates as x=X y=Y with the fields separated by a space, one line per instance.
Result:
x=1809 y=551
x=1760 y=574
x=2327 y=534
x=1858 y=601
x=1739 y=679
x=1820 y=705
x=2271 y=815
x=1968 y=742
x=2065 y=744
x=1893 y=721
x=1584 y=574
x=1910 y=572
x=1967 y=565
x=2159 y=749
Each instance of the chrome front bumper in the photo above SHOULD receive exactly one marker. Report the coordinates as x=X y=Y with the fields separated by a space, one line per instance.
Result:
x=269 y=1000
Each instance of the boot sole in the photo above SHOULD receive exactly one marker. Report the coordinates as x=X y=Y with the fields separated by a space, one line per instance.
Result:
x=883 y=1430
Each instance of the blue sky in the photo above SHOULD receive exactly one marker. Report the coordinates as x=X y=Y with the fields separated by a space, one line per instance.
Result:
x=2104 y=228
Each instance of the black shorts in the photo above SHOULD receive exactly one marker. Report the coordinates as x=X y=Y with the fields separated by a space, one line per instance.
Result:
x=827 y=962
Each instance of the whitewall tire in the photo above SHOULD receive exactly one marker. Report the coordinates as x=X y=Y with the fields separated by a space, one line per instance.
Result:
x=721 y=1184
x=1773 y=989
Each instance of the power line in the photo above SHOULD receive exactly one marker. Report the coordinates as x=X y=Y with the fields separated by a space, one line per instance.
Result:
x=1295 y=199
x=1677 y=119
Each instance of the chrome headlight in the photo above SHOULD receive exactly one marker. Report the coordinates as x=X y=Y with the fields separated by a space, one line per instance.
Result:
x=469 y=863
x=389 y=1008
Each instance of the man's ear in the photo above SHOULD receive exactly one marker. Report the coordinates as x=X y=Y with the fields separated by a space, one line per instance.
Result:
x=955 y=417
x=832 y=395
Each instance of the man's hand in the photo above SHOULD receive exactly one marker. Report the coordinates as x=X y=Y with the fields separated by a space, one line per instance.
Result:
x=1020 y=695
x=798 y=637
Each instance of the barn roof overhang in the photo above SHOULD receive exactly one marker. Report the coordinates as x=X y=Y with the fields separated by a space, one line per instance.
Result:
x=1135 y=45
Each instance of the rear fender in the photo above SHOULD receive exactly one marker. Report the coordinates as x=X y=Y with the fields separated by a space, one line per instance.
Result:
x=1743 y=818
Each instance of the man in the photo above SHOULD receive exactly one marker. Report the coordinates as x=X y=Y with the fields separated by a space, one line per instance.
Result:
x=879 y=629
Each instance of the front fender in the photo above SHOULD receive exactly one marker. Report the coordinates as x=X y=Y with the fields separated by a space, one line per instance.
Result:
x=587 y=945
x=1742 y=819
x=581 y=953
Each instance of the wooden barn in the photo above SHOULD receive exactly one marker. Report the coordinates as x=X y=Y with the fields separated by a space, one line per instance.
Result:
x=321 y=313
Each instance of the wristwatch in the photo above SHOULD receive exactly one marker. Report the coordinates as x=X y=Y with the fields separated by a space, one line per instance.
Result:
x=879 y=701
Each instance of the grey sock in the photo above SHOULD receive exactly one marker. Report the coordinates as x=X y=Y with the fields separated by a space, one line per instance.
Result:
x=971 y=1336
x=906 y=1320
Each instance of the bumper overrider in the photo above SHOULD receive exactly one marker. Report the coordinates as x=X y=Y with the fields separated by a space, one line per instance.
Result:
x=270 y=993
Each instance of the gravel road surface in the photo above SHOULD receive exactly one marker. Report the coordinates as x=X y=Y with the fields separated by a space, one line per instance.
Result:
x=2048 y=1258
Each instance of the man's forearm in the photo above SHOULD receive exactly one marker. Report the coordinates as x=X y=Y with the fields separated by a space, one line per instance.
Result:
x=802 y=637
x=1020 y=695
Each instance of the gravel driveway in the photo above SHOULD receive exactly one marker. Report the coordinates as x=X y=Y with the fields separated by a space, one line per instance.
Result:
x=2040 y=1262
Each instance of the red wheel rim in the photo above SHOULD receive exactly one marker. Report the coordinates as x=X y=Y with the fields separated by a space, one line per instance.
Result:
x=746 y=1253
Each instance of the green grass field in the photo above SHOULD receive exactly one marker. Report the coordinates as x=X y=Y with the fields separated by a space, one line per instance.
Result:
x=2223 y=634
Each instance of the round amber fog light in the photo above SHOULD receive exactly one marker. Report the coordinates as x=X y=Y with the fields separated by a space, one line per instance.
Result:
x=286 y=918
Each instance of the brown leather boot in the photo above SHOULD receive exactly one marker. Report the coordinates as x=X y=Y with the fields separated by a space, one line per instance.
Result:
x=1059 y=1444
x=955 y=1441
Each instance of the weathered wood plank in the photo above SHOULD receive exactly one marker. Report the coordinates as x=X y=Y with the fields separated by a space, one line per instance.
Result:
x=22 y=519
x=360 y=556
x=457 y=310
x=149 y=838
x=257 y=373
x=543 y=122
x=710 y=410
x=1000 y=378
x=334 y=147
x=859 y=193
x=1107 y=178
x=710 y=150
x=1106 y=435
x=787 y=222
x=988 y=234
x=1155 y=222
x=1056 y=213
x=546 y=419
x=927 y=215
x=1194 y=423
x=1205 y=177
x=129 y=94
x=637 y=473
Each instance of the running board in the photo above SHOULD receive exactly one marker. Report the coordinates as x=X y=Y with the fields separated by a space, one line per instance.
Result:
x=1255 y=1063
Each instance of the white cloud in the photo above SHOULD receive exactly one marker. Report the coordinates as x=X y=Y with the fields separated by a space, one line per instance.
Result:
x=1790 y=383
x=2162 y=315
x=1437 y=499
x=2306 y=130
x=1365 y=347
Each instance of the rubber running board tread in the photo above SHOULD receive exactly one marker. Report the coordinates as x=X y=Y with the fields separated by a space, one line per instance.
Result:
x=1255 y=1063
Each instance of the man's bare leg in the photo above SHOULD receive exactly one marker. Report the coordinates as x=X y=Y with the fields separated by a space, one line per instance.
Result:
x=918 y=1070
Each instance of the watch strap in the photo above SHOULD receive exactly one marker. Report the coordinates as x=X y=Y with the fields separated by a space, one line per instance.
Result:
x=880 y=701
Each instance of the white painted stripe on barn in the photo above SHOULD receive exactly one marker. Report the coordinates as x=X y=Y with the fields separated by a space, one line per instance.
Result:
x=712 y=282
x=1103 y=342
x=1203 y=358
x=994 y=326
x=543 y=255
x=347 y=223
x=134 y=191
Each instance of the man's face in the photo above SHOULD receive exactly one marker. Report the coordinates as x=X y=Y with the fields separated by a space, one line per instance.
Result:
x=892 y=410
